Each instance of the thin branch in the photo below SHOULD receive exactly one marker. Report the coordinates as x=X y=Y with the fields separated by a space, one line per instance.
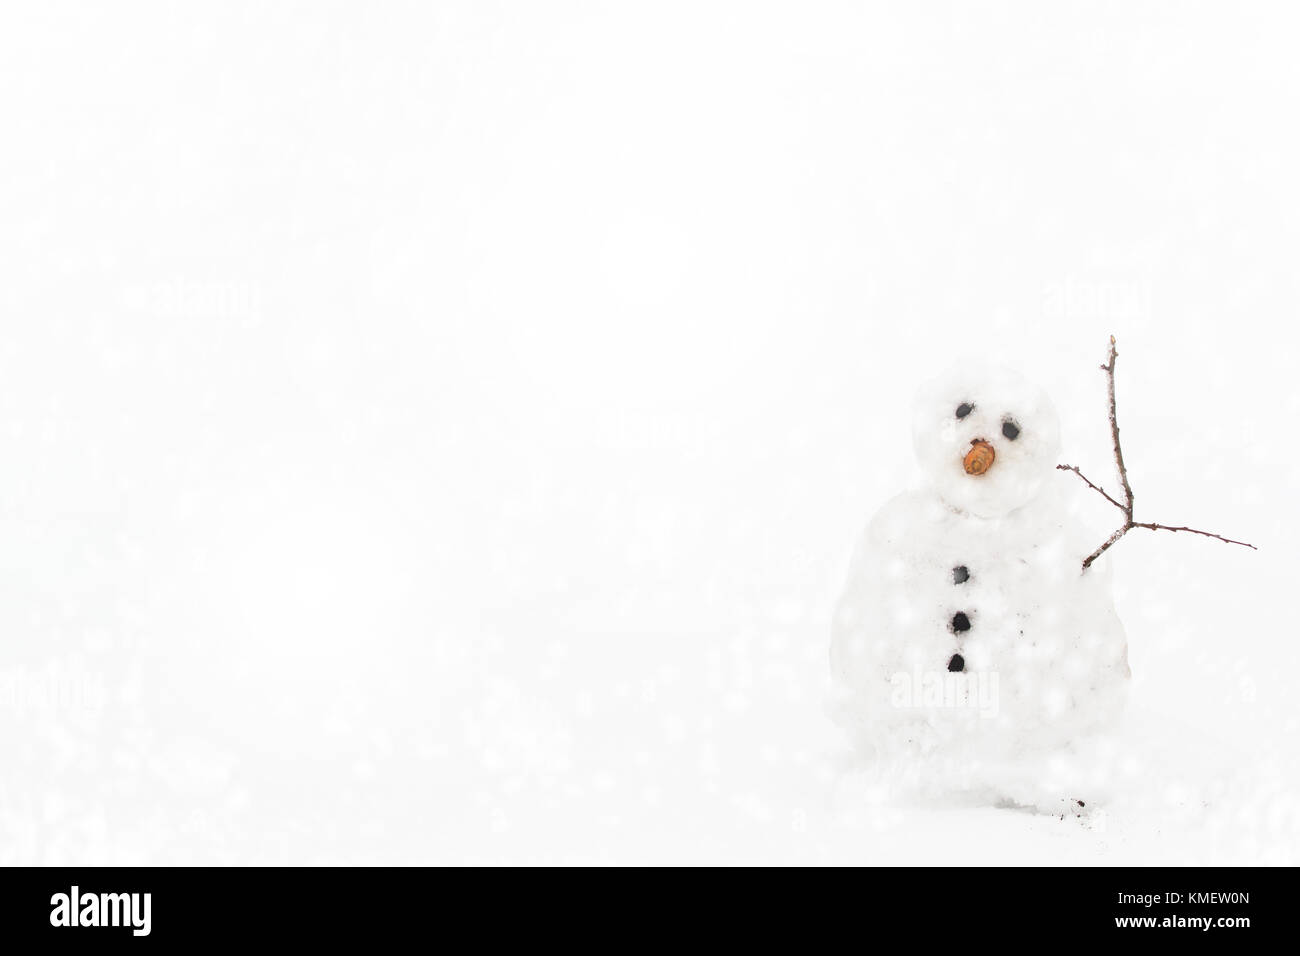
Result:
x=1109 y=369
x=1102 y=550
x=1127 y=506
x=1097 y=488
x=1208 y=534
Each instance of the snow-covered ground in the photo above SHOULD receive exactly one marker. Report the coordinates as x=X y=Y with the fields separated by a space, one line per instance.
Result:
x=437 y=433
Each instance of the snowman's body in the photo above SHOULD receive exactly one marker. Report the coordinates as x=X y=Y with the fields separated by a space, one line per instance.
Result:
x=968 y=642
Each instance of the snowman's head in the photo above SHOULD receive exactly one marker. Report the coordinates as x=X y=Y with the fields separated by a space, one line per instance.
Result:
x=986 y=438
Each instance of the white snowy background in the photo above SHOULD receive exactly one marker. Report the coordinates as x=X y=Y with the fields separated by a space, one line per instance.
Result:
x=436 y=432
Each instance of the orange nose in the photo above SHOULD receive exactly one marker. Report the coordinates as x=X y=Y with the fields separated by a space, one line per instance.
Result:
x=979 y=459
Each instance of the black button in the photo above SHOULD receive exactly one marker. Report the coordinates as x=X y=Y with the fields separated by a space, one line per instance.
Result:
x=960 y=574
x=960 y=622
x=956 y=663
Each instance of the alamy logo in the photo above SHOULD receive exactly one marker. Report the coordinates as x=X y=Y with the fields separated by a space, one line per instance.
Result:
x=101 y=909
x=942 y=690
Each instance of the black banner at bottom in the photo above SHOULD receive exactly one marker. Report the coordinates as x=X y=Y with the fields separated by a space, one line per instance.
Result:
x=376 y=907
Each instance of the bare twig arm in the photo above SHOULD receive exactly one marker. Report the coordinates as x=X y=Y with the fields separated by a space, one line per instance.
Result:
x=1109 y=369
x=1127 y=505
x=1097 y=488
x=1106 y=544
x=1208 y=534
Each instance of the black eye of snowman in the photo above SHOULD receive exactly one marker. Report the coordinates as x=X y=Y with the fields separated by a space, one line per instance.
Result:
x=964 y=409
x=1010 y=430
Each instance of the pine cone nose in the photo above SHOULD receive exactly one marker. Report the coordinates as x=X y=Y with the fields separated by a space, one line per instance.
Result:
x=980 y=457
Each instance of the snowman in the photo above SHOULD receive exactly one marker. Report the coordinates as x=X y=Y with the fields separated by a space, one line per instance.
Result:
x=971 y=653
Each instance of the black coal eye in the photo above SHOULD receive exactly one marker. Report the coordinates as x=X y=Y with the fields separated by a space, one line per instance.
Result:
x=964 y=409
x=1010 y=430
